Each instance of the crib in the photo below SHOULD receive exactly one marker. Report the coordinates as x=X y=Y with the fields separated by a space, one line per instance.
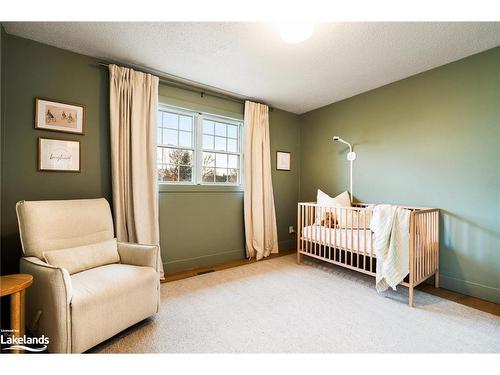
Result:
x=343 y=237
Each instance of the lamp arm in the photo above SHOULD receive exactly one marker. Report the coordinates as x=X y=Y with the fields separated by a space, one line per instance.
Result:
x=350 y=178
x=351 y=156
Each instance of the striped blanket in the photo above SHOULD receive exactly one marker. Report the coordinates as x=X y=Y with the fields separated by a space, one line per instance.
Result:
x=391 y=226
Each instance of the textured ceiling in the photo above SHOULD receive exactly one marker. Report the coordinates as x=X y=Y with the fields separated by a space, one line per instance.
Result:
x=340 y=59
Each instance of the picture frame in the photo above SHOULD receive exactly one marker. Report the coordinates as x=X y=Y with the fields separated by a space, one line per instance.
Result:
x=59 y=155
x=60 y=116
x=283 y=160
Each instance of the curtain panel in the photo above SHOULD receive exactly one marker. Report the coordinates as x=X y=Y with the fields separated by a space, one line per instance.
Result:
x=133 y=105
x=260 y=216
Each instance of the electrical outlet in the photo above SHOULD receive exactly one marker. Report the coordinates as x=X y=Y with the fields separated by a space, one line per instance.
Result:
x=291 y=229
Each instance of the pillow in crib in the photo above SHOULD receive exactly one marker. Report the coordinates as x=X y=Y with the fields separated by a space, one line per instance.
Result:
x=359 y=219
x=324 y=200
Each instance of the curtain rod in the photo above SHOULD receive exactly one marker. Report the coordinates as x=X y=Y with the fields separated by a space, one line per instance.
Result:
x=192 y=86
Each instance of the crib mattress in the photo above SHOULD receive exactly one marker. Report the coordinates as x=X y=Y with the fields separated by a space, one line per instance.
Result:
x=346 y=239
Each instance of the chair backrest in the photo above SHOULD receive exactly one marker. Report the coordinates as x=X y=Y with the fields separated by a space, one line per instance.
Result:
x=53 y=225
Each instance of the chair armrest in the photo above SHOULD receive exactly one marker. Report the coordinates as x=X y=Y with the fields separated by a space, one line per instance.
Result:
x=139 y=255
x=48 y=303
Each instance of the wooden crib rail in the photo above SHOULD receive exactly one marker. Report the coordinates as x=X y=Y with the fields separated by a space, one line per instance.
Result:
x=424 y=248
x=342 y=236
x=337 y=235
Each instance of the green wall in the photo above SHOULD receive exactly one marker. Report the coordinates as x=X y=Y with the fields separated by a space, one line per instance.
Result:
x=214 y=215
x=214 y=232
x=429 y=140
x=34 y=69
x=200 y=225
x=2 y=97
x=4 y=307
x=284 y=130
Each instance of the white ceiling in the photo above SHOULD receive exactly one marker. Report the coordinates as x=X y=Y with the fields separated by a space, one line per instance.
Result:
x=340 y=59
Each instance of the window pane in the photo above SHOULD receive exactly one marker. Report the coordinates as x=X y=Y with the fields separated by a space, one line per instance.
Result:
x=209 y=159
x=185 y=173
x=160 y=122
x=186 y=158
x=220 y=129
x=185 y=139
x=232 y=146
x=159 y=156
x=232 y=131
x=171 y=173
x=220 y=143
x=208 y=127
x=232 y=161
x=158 y=138
x=221 y=160
x=170 y=137
x=208 y=142
x=162 y=174
x=208 y=175
x=170 y=120
x=220 y=175
x=186 y=123
x=177 y=157
x=232 y=176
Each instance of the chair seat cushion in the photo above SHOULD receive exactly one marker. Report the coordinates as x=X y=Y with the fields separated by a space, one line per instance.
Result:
x=108 y=299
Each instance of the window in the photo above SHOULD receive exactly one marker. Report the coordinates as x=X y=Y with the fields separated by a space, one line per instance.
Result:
x=175 y=147
x=196 y=148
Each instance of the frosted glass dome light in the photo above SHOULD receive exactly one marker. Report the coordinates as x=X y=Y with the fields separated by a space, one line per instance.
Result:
x=295 y=32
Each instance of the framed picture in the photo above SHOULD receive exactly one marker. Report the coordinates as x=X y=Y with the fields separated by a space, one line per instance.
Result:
x=58 y=155
x=282 y=161
x=59 y=116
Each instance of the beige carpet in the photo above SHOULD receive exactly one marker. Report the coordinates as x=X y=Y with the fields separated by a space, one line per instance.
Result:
x=279 y=306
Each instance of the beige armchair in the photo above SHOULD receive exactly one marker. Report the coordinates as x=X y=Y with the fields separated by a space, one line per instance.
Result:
x=87 y=287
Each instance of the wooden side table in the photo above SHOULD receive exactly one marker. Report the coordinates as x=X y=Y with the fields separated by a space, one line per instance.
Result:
x=15 y=286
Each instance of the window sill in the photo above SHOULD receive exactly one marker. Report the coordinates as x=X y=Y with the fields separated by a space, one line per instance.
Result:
x=166 y=188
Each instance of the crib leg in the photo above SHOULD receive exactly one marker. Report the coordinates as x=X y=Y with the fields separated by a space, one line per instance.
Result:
x=298 y=257
x=436 y=279
x=410 y=290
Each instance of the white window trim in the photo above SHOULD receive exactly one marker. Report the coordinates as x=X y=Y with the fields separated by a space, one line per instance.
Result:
x=198 y=150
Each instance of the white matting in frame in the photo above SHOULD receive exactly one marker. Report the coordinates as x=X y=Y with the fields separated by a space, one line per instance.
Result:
x=59 y=116
x=58 y=155
x=283 y=160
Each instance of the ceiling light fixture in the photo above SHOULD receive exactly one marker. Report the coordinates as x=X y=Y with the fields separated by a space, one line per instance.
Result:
x=296 y=32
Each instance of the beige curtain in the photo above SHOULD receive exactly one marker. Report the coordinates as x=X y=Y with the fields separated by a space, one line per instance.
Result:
x=260 y=217
x=133 y=103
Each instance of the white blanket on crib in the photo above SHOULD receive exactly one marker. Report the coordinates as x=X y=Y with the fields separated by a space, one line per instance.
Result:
x=391 y=226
